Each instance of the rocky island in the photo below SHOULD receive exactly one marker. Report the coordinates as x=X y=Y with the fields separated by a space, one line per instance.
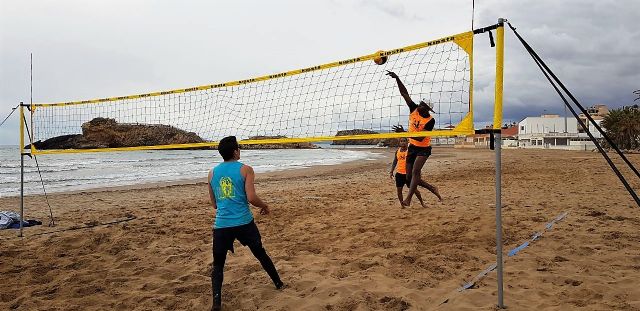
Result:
x=107 y=133
x=276 y=146
x=356 y=141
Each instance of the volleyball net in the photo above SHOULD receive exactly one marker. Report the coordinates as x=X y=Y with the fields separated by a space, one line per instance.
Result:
x=353 y=98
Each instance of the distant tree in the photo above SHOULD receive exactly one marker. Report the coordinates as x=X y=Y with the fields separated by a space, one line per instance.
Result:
x=637 y=93
x=623 y=127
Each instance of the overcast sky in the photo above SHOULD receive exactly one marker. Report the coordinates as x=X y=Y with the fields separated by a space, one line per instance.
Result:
x=91 y=49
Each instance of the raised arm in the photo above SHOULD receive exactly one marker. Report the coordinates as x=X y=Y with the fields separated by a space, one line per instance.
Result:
x=250 y=189
x=403 y=91
x=212 y=196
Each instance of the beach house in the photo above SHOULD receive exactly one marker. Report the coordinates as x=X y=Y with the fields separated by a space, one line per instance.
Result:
x=551 y=131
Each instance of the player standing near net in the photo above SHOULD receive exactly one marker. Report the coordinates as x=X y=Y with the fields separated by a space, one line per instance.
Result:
x=400 y=166
x=231 y=189
x=419 y=149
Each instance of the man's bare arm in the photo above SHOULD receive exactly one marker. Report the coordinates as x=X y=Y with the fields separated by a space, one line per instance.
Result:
x=212 y=196
x=250 y=189
x=403 y=91
x=395 y=162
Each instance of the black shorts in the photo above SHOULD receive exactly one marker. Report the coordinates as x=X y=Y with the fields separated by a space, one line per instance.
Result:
x=415 y=151
x=401 y=180
x=248 y=235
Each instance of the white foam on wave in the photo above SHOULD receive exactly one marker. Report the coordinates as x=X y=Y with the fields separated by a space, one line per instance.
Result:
x=90 y=171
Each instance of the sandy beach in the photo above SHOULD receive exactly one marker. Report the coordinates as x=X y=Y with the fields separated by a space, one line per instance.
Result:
x=341 y=241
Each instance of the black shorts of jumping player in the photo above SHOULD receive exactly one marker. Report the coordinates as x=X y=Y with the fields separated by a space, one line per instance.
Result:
x=415 y=152
x=401 y=180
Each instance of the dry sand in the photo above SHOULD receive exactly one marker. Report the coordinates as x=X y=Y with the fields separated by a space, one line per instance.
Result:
x=341 y=242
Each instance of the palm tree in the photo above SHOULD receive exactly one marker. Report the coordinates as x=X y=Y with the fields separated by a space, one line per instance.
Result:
x=637 y=93
x=623 y=127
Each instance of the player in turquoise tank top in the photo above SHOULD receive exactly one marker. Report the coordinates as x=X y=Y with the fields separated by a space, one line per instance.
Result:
x=227 y=184
x=231 y=189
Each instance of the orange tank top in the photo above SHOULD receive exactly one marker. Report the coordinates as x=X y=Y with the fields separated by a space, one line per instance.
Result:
x=401 y=165
x=417 y=124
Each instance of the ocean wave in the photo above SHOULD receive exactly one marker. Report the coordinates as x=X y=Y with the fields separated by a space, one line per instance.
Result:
x=87 y=171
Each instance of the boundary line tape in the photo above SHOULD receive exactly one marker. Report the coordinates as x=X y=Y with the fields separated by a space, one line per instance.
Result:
x=513 y=252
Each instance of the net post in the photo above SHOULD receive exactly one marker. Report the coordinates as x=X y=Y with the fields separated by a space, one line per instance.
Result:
x=498 y=150
x=497 y=125
x=21 y=122
x=497 y=107
x=32 y=108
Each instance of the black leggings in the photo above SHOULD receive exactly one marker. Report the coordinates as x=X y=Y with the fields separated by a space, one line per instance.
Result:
x=249 y=236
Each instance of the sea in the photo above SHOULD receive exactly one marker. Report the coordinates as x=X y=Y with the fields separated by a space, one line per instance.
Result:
x=84 y=171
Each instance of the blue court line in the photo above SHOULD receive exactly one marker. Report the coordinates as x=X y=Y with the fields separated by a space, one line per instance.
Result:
x=514 y=251
x=553 y=222
x=511 y=253
x=478 y=277
x=536 y=236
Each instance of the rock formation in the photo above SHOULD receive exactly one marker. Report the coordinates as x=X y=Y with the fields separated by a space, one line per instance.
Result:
x=277 y=146
x=107 y=133
x=354 y=141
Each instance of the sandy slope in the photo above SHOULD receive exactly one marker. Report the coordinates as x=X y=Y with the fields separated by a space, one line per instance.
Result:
x=341 y=242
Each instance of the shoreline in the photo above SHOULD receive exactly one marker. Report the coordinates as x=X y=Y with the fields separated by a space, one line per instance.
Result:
x=192 y=181
x=260 y=177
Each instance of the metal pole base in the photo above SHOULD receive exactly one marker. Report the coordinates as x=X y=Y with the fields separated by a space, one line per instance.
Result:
x=498 y=146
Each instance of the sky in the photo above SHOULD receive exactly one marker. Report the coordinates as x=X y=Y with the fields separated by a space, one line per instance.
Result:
x=93 y=49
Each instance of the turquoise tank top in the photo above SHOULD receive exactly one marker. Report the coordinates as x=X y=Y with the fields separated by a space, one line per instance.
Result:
x=228 y=187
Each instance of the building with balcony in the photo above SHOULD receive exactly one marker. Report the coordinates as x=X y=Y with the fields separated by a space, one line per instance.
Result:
x=554 y=132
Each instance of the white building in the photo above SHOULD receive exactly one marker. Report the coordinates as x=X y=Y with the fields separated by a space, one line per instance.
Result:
x=554 y=132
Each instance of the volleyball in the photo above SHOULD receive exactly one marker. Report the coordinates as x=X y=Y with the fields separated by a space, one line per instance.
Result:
x=379 y=60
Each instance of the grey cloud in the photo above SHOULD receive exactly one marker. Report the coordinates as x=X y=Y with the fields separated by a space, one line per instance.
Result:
x=591 y=46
